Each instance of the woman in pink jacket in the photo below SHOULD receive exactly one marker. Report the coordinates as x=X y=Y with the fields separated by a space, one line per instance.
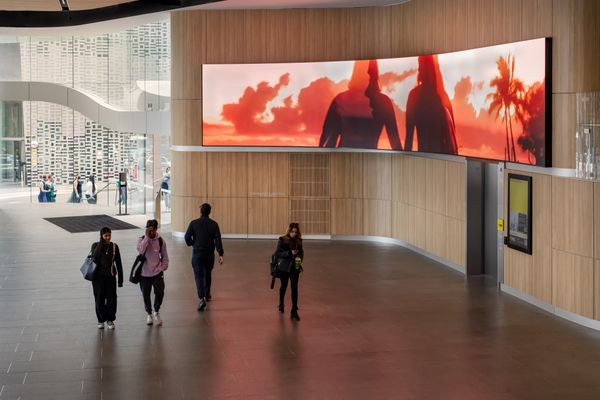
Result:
x=154 y=248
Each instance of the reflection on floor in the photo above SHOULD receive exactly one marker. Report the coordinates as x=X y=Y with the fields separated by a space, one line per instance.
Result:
x=378 y=322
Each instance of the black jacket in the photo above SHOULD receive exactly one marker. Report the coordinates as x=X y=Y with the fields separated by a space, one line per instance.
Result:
x=204 y=235
x=103 y=257
x=284 y=251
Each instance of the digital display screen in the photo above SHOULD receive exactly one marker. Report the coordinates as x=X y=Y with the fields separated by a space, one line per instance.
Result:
x=489 y=102
x=519 y=212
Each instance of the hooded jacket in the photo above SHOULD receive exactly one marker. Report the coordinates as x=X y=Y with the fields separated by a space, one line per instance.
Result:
x=157 y=257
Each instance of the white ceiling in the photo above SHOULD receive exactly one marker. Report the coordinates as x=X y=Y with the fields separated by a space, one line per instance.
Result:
x=53 y=5
x=250 y=4
x=124 y=23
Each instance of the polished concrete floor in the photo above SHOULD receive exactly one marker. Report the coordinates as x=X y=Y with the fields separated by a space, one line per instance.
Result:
x=378 y=322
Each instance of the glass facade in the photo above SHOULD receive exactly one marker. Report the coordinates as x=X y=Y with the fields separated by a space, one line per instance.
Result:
x=128 y=71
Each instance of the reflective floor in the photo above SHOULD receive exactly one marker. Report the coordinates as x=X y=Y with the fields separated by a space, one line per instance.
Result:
x=378 y=322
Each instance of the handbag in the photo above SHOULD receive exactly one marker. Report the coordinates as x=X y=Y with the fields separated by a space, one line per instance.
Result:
x=136 y=269
x=273 y=265
x=88 y=268
x=283 y=264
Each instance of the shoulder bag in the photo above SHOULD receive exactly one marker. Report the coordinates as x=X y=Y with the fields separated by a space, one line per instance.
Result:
x=136 y=269
x=88 y=268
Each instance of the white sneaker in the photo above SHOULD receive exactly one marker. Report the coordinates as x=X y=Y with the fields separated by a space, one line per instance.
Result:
x=110 y=325
x=100 y=325
x=157 y=318
x=149 y=320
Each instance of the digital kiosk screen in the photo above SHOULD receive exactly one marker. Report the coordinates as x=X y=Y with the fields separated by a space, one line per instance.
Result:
x=519 y=213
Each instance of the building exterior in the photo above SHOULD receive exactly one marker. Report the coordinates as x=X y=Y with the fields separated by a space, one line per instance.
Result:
x=119 y=69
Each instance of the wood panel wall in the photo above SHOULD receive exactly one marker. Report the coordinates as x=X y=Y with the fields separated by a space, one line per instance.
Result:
x=417 y=200
x=417 y=27
x=411 y=207
x=564 y=267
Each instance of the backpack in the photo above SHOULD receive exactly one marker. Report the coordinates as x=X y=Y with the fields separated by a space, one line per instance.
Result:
x=273 y=265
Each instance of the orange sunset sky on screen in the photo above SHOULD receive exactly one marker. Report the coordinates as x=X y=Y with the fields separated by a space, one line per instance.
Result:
x=286 y=104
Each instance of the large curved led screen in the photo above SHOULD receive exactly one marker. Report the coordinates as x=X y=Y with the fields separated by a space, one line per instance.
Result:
x=487 y=103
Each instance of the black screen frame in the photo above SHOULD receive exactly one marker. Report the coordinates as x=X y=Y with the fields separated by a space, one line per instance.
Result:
x=529 y=248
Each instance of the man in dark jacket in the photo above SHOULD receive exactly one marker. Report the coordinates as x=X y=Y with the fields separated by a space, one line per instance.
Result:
x=204 y=235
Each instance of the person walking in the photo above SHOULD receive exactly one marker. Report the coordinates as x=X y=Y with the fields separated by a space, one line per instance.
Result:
x=109 y=270
x=204 y=235
x=289 y=255
x=165 y=188
x=90 y=190
x=154 y=248
x=44 y=189
x=75 y=198
x=79 y=188
x=51 y=195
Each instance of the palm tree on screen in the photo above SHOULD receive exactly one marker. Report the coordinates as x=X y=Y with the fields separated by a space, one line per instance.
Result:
x=506 y=99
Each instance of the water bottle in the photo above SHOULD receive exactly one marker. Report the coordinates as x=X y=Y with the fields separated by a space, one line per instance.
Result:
x=297 y=262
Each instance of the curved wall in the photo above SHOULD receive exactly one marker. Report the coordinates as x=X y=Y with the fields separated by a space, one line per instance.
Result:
x=257 y=194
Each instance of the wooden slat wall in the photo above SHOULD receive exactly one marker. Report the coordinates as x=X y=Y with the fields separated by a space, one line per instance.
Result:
x=564 y=267
x=564 y=119
x=187 y=208
x=428 y=205
x=310 y=192
x=268 y=215
x=377 y=194
x=597 y=250
x=227 y=174
x=347 y=176
x=536 y=19
x=573 y=216
x=577 y=48
x=406 y=208
x=268 y=175
x=183 y=183
x=346 y=193
x=239 y=36
x=231 y=213
x=533 y=274
x=347 y=217
x=573 y=283
x=597 y=220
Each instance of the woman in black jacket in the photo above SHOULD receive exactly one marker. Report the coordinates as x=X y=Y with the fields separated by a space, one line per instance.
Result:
x=107 y=257
x=289 y=256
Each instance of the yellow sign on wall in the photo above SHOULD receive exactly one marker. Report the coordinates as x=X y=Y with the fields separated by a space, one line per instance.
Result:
x=500 y=224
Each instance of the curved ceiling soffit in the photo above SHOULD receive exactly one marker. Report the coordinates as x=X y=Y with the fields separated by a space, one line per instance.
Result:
x=44 y=19
x=111 y=117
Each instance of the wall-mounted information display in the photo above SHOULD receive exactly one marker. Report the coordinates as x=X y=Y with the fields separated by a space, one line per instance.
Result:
x=489 y=102
x=519 y=213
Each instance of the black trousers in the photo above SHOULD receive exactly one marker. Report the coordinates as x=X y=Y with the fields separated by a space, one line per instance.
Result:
x=158 y=283
x=284 y=277
x=203 y=267
x=105 y=294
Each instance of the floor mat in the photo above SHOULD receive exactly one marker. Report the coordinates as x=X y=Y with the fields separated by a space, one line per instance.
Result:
x=89 y=223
